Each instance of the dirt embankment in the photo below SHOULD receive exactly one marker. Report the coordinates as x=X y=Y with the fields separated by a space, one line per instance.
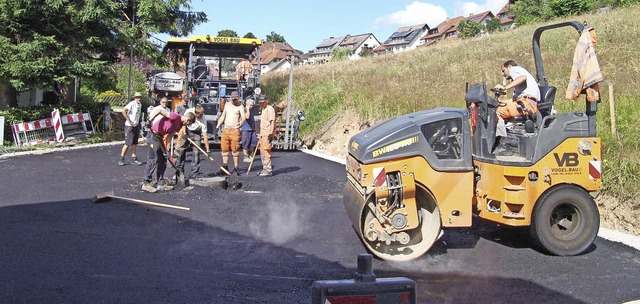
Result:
x=621 y=215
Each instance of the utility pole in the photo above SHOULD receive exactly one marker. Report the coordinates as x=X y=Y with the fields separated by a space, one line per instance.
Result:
x=288 y=128
x=133 y=23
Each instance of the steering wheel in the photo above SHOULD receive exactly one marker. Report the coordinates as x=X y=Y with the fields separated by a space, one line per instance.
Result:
x=498 y=92
x=443 y=143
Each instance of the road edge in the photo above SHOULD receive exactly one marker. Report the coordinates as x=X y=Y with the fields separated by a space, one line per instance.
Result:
x=605 y=233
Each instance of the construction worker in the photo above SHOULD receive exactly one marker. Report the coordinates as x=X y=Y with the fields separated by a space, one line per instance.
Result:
x=232 y=117
x=267 y=131
x=526 y=95
x=249 y=140
x=164 y=125
x=195 y=131
x=243 y=69
x=131 y=113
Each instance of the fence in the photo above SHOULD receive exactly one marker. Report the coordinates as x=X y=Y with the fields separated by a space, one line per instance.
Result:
x=42 y=131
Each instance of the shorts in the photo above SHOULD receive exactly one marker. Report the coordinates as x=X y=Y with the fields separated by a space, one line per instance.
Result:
x=230 y=140
x=249 y=140
x=131 y=135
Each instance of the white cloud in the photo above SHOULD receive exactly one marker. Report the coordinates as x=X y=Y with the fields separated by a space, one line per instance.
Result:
x=466 y=8
x=414 y=13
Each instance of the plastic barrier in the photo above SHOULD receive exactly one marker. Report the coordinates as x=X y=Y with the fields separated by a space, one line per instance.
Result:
x=57 y=125
x=42 y=131
x=365 y=288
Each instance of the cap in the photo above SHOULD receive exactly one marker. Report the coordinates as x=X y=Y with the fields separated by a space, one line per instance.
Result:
x=234 y=95
x=263 y=98
x=137 y=94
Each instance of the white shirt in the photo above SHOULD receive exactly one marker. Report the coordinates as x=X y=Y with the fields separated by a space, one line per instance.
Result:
x=159 y=116
x=200 y=125
x=530 y=88
x=133 y=112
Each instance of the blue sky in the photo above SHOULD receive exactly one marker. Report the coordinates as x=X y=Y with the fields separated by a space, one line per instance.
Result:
x=304 y=24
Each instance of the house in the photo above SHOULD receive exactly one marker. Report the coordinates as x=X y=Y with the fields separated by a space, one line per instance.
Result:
x=381 y=49
x=274 y=55
x=447 y=29
x=406 y=38
x=481 y=18
x=359 y=44
x=322 y=52
x=506 y=17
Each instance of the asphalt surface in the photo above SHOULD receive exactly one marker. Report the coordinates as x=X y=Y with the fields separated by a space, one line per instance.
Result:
x=265 y=243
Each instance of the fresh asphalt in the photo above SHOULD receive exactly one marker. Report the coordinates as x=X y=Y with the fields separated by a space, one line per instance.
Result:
x=265 y=243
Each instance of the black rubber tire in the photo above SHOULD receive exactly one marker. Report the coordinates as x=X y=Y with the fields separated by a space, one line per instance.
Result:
x=565 y=221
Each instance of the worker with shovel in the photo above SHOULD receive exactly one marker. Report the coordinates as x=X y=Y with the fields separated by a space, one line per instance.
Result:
x=267 y=131
x=196 y=131
x=164 y=125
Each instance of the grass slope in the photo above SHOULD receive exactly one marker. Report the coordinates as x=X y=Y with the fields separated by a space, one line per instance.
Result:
x=381 y=87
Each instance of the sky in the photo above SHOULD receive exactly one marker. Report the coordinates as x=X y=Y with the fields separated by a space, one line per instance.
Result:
x=304 y=24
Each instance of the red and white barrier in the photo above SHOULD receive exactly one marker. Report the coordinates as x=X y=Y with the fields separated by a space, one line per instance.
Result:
x=51 y=129
x=57 y=125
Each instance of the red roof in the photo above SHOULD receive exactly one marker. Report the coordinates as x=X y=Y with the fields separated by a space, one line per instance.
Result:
x=275 y=51
x=449 y=25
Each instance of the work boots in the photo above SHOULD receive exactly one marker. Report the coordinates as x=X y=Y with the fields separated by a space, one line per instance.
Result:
x=148 y=186
x=266 y=172
x=246 y=156
x=180 y=179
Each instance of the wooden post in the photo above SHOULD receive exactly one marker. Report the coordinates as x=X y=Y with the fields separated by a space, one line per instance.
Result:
x=333 y=78
x=612 y=109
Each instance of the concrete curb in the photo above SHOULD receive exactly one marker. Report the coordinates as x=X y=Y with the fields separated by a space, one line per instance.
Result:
x=55 y=149
x=605 y=233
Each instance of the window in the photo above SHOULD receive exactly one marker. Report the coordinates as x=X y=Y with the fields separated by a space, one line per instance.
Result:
x=445 y=138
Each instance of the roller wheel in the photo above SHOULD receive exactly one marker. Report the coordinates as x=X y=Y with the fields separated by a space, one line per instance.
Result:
x=565 y=221
x=421 y=238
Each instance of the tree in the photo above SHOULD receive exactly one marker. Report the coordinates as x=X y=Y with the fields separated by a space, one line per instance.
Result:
x=227 y=33
x=568 y=7
x=275 y=37
x=47 y=44
x=249 y=35
x=493 y=25
x=528 y=11
x=340 y=54
x=138 y=79
x=469 y=29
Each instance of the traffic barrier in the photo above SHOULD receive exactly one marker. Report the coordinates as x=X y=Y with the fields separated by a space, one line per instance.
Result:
x=365 y=288
x=57 y=125
x=43 y=130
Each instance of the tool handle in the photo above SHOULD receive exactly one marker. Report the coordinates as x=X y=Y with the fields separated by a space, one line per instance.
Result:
x=253 y=156
x=135 y=200
x=193 y=143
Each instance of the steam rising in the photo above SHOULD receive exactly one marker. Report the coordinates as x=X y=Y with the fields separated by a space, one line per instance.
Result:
x=280 y=221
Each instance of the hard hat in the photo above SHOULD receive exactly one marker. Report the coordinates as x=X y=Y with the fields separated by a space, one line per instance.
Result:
x=137 y=94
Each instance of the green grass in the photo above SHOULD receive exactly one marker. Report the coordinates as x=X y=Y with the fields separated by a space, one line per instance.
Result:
x=385 y=86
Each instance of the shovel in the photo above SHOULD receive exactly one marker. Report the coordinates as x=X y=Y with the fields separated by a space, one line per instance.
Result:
x=107 y=196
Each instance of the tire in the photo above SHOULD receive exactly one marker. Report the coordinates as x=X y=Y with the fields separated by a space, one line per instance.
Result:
x=422 y=237
x=565 y=221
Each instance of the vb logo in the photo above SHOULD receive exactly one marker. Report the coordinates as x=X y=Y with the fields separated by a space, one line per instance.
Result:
x=567 y=159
